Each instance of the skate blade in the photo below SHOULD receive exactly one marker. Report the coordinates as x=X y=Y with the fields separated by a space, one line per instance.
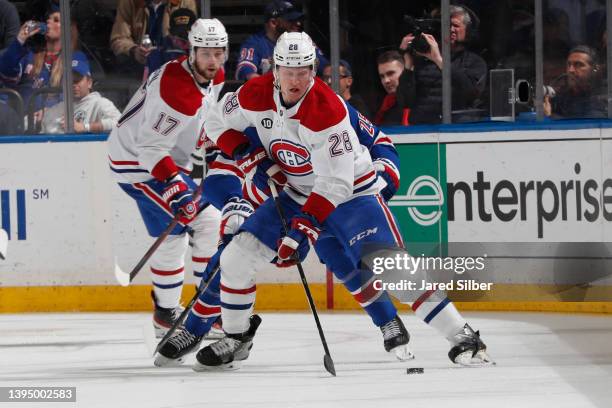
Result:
x=162 y=361
x=233 y=366
x=481 y=359
x=403 y=353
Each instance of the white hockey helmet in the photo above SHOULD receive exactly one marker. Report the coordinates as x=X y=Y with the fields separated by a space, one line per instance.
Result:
x=207 y=33
x=294 y=50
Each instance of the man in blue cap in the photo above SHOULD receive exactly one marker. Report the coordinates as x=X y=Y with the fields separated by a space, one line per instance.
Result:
x=92 y=112
x=256 y=52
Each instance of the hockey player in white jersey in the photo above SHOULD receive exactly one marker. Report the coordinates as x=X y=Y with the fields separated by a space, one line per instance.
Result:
x=305 y=128
x=149 y=154
x=331 y=183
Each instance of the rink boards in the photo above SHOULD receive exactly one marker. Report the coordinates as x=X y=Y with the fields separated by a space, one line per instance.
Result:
x=546 y=193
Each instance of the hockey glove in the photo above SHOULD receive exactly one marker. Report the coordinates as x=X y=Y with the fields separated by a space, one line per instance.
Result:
x=303 y=226
x=388 y=174
x=233 y=214
x=180 y=197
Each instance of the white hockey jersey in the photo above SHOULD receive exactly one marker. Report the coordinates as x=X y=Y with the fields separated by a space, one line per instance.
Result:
x=162 y=125
x=313 y=141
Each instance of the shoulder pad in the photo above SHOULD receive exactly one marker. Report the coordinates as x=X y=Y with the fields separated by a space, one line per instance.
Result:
x=178 y=90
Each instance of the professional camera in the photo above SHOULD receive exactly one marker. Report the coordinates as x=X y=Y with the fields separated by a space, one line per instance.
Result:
x=420 y=26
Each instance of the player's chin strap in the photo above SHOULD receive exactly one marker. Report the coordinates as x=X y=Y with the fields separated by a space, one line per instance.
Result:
x=328 y=363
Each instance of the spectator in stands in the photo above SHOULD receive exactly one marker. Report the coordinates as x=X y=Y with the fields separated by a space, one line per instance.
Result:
x=139 y=18
x=255 y=56
x=9 y=24
x=583 y=94
x=92 y=112
x=346 y=81
x=26 y=69
x=175 y=44
x=420 y=89
x=390 y=68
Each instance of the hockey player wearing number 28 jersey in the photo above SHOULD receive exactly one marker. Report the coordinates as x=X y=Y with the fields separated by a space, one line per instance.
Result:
x=150 y=156
x=305 y=128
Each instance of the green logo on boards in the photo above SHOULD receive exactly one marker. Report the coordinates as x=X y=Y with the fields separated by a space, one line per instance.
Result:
x=419 y=204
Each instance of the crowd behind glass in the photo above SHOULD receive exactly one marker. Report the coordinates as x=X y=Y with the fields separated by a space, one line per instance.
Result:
x=390 y=68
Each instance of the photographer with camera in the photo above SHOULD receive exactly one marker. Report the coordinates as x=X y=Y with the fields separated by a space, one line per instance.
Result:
x=582 y=92
x=420 y=89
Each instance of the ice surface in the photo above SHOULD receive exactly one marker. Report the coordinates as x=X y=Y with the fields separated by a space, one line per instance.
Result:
x=543 y=360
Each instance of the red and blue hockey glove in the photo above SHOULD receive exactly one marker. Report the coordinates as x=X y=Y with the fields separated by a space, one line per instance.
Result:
x=303 y=226
x=233 y=214
x=180 y=197
x=387 y=170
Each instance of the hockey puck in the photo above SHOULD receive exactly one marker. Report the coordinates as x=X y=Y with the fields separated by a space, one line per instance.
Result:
x=415 y=370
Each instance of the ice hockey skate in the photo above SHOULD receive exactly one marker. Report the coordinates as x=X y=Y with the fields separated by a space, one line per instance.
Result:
x=396 y=339
x=468 y=349
x=178 y=346
x=229 y=352
x=164 y=318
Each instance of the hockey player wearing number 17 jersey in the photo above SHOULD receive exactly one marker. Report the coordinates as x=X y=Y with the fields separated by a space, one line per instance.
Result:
x=149 y=154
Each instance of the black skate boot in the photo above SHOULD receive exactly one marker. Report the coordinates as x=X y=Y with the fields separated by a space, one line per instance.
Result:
x=396 y=339
x=468 y=349
x=229 y=352
x=177 y=347
x=164 y=318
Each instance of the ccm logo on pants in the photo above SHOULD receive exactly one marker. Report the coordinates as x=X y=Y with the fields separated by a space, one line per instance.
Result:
x=362 y=235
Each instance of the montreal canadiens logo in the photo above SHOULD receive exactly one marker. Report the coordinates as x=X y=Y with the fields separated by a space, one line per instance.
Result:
x=293 y=158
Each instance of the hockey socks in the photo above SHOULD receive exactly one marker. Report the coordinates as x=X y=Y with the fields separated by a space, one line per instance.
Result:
x=168 y=272
x=435 y=309
x=376 y=303
x=206 y=310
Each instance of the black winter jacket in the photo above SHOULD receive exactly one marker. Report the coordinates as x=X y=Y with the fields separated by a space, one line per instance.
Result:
x=421 y=89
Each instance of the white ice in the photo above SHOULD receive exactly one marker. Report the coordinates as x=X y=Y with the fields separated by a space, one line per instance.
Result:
x=543 y=360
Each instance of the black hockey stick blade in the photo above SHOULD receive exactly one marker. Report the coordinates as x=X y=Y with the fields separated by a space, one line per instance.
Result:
x=329 y=364
x=185 y=312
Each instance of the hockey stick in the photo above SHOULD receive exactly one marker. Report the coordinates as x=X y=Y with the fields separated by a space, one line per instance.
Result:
x=327 y=359
x=179 y=321
x=124 y=278
x=3 y=243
